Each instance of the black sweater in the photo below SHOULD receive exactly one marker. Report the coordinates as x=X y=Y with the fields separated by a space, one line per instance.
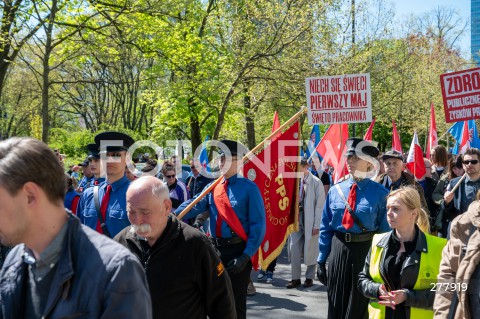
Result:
x=184 y=273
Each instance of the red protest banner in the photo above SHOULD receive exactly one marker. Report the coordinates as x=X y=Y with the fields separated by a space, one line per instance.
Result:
x=461 y=95
x=279 y=189
x=339 y=99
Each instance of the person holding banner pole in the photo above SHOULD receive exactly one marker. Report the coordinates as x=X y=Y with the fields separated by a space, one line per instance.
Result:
x=237 y=220
x=355 y=209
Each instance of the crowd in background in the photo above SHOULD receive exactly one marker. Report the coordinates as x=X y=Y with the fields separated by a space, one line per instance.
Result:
x=423 y=213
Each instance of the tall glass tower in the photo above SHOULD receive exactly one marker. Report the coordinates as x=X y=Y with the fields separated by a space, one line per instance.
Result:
x=475 y=38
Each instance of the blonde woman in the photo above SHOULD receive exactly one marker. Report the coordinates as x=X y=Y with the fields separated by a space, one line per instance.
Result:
x=402 y=265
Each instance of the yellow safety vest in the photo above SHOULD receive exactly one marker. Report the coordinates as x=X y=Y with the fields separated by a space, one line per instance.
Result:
x=427 y=275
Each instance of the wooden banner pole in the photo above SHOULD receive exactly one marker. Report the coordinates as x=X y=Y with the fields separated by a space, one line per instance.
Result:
x=245 y=158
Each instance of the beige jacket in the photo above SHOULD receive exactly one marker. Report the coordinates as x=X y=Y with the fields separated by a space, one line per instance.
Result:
x=452 y=270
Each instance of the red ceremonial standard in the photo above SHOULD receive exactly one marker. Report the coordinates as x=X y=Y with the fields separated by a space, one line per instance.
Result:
x=274 y=170
x=461 y=95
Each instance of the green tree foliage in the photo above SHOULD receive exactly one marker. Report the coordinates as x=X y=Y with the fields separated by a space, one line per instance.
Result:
x=170 y=69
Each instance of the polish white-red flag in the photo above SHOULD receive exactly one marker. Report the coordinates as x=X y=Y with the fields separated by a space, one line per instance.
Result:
x=415 y=162
x=432 y=134
x=332 y=148
x=396 y=142
x=369 y=133
x=465 y=142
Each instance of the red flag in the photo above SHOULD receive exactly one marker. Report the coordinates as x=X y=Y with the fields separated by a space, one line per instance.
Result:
x=432 y=135
x=279 y=191
x=275 y=126
x=465 y=142
x=369 y=133
x=396 y=143
x=415 y=162
x=332 y=147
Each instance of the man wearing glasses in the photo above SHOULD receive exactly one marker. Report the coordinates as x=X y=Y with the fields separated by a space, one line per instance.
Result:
x=456 y=203
x=103 y=207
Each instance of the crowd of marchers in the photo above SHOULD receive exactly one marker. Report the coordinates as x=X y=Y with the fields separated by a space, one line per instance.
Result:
x=108 y=242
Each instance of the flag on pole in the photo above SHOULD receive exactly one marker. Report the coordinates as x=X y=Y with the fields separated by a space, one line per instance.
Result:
x=396 y=142
x=369 y=133
x=415 y=162
x=457 y=132
x=465 y=141
x=275 y=125
x=313 y=141
x=432 y=134
x=203 y=158
x=280 y=194
x=332 y=147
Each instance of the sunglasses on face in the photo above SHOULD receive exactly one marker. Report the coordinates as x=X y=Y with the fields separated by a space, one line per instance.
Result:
x=170 y=176
x=193 y=167
x=473 y=162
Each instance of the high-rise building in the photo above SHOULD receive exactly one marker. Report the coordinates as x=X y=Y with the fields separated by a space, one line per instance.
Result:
x=475 y=37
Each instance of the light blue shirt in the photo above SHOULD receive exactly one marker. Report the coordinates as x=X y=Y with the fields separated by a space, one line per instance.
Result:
x=370 y=208
x=85 y=182
x=100 y=181
x=116 y=215
x=246 y=201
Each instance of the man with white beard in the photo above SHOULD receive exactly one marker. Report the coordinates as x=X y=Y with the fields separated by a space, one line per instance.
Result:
x=184 y=273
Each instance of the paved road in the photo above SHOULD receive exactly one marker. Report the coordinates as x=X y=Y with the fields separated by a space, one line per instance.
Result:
x=276 y=302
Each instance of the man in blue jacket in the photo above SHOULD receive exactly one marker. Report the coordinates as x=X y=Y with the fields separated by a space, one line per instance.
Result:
x=237 y=220
x=58 y=268
x=107 y=213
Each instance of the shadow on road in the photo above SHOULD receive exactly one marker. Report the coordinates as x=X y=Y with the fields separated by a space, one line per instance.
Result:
x=267 y=302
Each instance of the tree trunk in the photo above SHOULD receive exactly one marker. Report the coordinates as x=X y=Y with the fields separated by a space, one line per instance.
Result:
x=46 y=72
x=196 y=137
x=249 y=118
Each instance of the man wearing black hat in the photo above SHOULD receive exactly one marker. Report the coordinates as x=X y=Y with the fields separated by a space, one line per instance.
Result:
x=98 y=176
x=237 y=220
x=87 y=176
x=103 y=207
x=395 y=177
x=95 y=165
x=355 y=209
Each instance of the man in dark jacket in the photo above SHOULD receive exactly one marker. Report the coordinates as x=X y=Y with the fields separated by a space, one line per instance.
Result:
x=197 y=180
x=395 y=177
x=185 y=275
x=58 y=268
